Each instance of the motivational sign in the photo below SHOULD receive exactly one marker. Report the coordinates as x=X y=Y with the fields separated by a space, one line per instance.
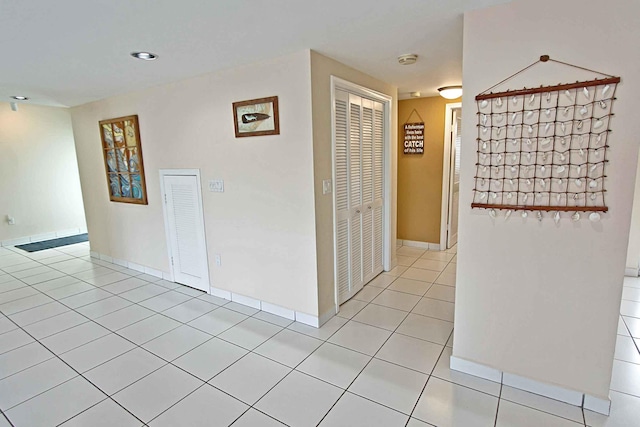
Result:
x=414 y=138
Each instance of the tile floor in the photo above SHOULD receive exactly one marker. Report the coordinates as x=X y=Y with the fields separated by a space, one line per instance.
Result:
x=88 y=343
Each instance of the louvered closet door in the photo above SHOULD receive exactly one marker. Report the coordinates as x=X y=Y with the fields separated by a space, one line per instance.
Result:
x=358 y=160
x=186 y=231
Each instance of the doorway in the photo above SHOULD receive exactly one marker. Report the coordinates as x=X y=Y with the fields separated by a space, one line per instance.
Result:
x=184 y=225
x=451 y=176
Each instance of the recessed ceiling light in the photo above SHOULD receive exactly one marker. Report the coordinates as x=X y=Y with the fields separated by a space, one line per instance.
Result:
x=20 y=97
x=450 y=92
x=146 y=56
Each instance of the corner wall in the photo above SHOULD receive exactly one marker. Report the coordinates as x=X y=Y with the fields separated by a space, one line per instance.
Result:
x=420 y=175
x=263 y=225
x=535 y=299
x=39 y=182
x=322 y=68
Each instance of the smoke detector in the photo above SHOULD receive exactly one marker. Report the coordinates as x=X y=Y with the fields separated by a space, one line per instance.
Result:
x=414 y=94
x=407 y=59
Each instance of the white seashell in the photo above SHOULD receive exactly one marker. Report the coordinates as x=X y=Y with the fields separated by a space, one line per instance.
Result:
x=529 y=156
x=576 y=196
x=584 y=110
x=558 y=197
x=598 y=124
x=566 y=111
x=580 y=124
x=509 y=195
x=547 y=127
x=563 y=127
x=593 y=196
x=499 y=118
x=575 y=217
x=514 y=116
x=514 y=100
x=599 y=138
x=484 y=129
x=528 y=181
x=593 y=184
x=530 y=129
x=529 y=114
x=597 y=153
x=563 y=141
x=484 y=145
x=484 y=119
x=494 y=195
x=532 y=99
x=497 y=169
x=484 y=103
x=585 y=92
x=528 y=142
x=498 y=144
x=556 y=217
x=545 y=142
x=492 y=213
x=568 y=94
x=499 y=102
x=514 y=142
x=594 y=217
x=605 y=89
x=483 y=182
x=499 y=131
x=507 y=214
x=578 y=169
x=511 y=183
x=578 y=182
x=581 y=152
x=514 y=157
x=543 y=183
x=539 y=216
x=524 y=214
x=525 y=169
x=499 y=158
x=513 y=169
x=559 y=181
x=483 y=156
x=561 y=168
x=562 y=157
x=483 y=196
x=548 y=96
x=593 y=168
x=542 y=168
x=548 y=112
x=484 y=168
x=526 y=196
x=603 y=105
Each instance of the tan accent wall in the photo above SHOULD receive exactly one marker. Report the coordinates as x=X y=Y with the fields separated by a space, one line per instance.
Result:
x=420 y=175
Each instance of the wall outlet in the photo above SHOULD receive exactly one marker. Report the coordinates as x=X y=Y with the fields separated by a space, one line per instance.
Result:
x=326 y=186
x=11 y=220
x=216 y=185
x=218 y=260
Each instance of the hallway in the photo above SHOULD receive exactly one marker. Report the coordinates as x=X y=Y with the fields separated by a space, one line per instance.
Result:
x=88 y=343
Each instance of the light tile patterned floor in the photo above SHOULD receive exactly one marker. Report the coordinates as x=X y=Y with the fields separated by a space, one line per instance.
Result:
x=88 y=343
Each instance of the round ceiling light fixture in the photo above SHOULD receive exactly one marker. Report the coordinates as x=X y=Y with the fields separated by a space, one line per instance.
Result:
x=407 y=59
x=20 y=98
x=145 y=56
x=450 y=92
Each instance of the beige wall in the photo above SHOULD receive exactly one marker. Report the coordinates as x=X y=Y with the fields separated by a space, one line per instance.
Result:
x=537 y=299
x=39 y=183
x=263 y=225
x=322 y=68
x=420 y=175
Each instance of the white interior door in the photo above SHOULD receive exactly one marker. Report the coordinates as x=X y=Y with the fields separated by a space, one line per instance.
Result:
x=359 y=191
x=185 y=228
x=454 y=185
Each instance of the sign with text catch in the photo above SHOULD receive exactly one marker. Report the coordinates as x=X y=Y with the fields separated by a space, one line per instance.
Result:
x=414 y=138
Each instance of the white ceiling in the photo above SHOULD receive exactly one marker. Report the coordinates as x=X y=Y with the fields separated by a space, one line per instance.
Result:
x=69 y=52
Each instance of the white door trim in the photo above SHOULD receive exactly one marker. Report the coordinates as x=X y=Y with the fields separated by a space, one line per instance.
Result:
x=338 y=83
x=446 y=173
x=182 y=172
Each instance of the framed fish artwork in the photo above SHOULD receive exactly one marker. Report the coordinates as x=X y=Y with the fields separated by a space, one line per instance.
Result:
x=123 y=160
x=256 y=117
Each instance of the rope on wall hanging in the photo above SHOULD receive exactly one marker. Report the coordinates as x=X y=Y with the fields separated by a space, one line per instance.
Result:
x=545 y=148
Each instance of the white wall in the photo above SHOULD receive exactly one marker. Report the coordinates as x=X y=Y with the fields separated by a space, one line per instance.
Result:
x=263 y=225
x=536 y=299
x=39 y=183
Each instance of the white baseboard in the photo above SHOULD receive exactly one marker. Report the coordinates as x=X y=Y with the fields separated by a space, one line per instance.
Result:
x=248 y=301
x=421 y=245
x=133 y=266
x=551 y=391
x=631 y=272
x=43 y=236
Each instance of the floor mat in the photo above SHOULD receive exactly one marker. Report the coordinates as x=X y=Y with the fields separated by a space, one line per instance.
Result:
x=55 y=243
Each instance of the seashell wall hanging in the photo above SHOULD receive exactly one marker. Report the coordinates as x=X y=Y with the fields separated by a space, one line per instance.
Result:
x=556 y=154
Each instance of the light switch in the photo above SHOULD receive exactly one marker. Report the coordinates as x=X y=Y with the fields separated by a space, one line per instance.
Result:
x=216 y=185
x=326 y=186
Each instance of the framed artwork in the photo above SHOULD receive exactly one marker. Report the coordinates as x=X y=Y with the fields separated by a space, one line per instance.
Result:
x=123 y=160
x=256 y=117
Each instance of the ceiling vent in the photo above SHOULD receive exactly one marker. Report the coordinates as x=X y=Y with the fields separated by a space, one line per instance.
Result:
x=408 y=59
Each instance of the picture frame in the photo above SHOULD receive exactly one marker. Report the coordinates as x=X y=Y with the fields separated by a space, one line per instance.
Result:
x=256 y=117
x=122 y=152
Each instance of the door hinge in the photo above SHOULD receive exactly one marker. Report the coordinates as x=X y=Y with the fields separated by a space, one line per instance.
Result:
x=171 y=260
x=165 y=198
